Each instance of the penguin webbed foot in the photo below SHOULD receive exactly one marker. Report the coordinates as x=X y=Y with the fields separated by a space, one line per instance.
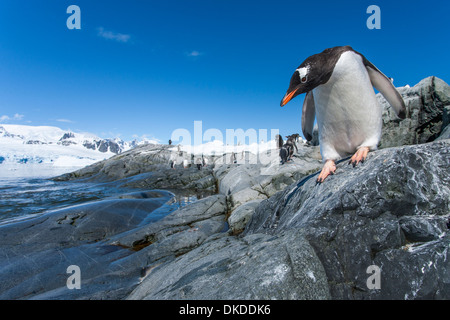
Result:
x=328 y=169
x=359 y=156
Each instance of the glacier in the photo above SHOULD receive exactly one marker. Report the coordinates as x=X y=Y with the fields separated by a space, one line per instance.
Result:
x=45 y=151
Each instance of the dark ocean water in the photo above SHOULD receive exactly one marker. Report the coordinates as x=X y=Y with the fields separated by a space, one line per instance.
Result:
x=24 y=198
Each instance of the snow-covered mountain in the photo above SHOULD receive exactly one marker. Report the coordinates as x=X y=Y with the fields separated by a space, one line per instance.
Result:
x=44 y=150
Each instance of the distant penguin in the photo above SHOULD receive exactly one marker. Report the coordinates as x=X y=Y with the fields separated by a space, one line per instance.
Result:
x=338 y=85
x=284 y=154
x=198 y=162
x=291 y=140
x=172 y=161
x=279 y=141
x=287 y=150
x=233 y=158
x=296 y=137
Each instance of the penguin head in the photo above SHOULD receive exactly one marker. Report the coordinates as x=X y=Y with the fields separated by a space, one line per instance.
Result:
x=314 y=71
x=301 y=81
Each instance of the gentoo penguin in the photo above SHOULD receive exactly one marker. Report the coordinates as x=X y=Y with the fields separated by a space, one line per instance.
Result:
x=199 y=162
x=279 y=140
x=233 y=158
x=284 y=153
x=296 y=137
x=338 y=85
x=291 y=140
x=287 y=150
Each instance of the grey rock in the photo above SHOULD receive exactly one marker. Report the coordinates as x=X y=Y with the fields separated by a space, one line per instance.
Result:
x=166 y=178
x=179 y=220
x=35 y=253
x=242 y=215
x=247 y=182
x=416 y=271
x=239 y=178
x=148 y=167
x=67 y=135
x=152 y=176
x=111 y=241
x=422 y=229
x=80 y=224
x=141 y=159
x=103 y=145
x=445 y=133
x=255 y=267
x=391 y=211
x=425 y=103
x=301 y=240
x=446 y=116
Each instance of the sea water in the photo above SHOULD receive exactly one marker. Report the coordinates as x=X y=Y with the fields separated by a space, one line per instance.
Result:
x=27 y=197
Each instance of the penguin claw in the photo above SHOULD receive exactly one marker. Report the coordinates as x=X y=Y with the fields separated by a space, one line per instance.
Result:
x=328 y=169
x=359 y=156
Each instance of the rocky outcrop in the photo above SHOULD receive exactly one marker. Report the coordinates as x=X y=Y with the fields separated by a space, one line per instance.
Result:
x=427 y=117
x=389 y=214
x=424 y=122
x=115 y=243
x=247 y=182
x=153 y=160
x=269 y=231
x=145 y=158
x=254 y=267
x=445 y=134
x=242 y=215
x=67 y=135
x=392 y=211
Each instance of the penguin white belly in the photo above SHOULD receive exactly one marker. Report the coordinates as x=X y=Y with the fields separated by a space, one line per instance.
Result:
x=347 y=110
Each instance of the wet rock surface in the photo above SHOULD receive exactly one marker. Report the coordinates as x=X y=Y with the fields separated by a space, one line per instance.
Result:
x=392 y=212
x=253 y=267
x=112 y=242
x=261 y=230
x=426 y=117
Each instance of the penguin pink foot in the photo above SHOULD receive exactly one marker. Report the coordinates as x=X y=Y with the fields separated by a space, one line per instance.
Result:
x=359 y=156
x=328 y=168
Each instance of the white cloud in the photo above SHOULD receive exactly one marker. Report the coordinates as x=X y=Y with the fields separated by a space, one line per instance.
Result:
x=119 y=37
x=146 y=138
x=194 y=53
x=5 y=118
x=64 y=120
x=111 y=134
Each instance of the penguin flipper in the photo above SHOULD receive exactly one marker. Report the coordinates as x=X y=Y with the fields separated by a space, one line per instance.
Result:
x=308 y=115
x=386 y=88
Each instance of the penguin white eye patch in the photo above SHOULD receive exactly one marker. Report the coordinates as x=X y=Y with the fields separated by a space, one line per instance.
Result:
x=303 y=74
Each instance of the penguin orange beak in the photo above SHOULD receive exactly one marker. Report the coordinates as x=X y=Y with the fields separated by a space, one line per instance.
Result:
x=288 y=97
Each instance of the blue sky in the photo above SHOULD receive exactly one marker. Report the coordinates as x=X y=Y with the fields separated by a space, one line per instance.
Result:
x=146 y=68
